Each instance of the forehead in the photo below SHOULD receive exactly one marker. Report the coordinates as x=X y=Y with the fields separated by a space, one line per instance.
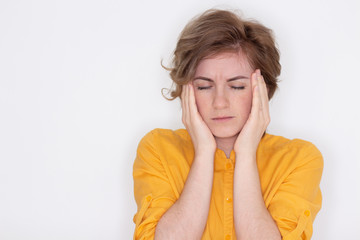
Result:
x=224 y=64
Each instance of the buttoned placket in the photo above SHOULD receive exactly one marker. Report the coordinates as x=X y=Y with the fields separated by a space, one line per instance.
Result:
x=228 y=195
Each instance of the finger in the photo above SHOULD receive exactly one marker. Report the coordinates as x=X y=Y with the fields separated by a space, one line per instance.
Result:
x=261 y=89
x=264 y=97
x=184 y=104
x=264 y=114
x=255 y=108
x=253 y=81
x=188 y=114
x=192 y=102
x=182 y=96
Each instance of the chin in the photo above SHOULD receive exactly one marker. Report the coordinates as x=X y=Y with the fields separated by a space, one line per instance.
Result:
x=225 y=132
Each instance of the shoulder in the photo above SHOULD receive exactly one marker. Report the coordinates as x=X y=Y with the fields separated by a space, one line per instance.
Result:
x=292 y=150
x=278 y=142
x=159 y=135
x=166 y=140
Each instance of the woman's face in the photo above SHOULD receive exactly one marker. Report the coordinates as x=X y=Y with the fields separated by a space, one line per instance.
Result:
x=223 y=92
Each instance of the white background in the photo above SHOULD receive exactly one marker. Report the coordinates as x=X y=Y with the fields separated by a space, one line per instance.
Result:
x=80 y=85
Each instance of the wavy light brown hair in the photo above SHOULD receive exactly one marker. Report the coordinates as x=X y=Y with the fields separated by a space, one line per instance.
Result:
x=216 y=31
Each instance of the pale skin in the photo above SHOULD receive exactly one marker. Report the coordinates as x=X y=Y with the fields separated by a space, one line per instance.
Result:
x=225 y=106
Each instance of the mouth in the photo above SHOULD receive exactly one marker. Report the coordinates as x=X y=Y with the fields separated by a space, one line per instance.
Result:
x=222 y=119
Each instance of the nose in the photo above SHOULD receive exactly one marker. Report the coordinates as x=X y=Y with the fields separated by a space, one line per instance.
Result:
x=220 y=100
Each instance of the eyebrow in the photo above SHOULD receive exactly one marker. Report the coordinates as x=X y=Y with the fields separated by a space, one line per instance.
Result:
x=239 y=77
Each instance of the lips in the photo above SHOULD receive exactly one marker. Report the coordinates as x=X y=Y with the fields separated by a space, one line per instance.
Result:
x=222 y=118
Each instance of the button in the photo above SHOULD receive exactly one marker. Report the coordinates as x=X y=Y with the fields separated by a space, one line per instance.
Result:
x=227 y=237
x=229 y=199
x=228 y=166
x=307 y=213
x=148 y=198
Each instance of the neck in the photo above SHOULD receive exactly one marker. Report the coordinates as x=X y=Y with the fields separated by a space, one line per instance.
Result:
x=226 y=144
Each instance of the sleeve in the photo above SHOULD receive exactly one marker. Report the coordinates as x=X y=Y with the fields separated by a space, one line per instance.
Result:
x=298 y=199
x=152 y=189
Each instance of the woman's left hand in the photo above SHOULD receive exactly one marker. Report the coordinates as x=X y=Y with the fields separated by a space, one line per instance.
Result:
x=259 y=118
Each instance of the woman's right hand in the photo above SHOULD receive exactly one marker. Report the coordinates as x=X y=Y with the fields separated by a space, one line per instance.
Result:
x=201 y=136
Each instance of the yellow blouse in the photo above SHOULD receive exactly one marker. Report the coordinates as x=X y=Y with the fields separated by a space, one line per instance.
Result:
x=289 y=170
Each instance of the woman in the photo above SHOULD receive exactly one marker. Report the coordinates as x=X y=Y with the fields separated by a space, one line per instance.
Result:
x=224 y=177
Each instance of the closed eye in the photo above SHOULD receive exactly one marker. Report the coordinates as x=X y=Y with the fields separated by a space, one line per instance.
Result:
x=203 y=88
x=238 y=88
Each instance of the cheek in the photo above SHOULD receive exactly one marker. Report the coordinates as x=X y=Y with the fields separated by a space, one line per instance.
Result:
x=248 y=102
x=201 y=103
x=244 y=103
